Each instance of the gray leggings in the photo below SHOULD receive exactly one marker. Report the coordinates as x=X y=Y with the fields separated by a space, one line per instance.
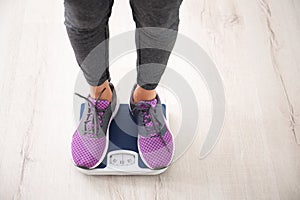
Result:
x=87 y=27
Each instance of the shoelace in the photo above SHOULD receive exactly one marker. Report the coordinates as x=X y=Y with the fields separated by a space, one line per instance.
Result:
x=147 y=110
x=91 y=126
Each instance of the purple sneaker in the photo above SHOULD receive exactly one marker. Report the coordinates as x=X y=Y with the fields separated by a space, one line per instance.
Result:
x=90 y=140
x=155 y=140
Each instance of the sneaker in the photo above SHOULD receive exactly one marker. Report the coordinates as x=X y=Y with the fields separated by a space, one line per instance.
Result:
x=91 y=138
x=155 y=140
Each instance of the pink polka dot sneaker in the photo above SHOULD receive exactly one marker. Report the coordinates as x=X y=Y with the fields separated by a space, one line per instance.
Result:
x=90 y=140
x=155 y=140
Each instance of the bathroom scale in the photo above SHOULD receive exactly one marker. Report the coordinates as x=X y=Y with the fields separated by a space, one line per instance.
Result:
x=122 y=157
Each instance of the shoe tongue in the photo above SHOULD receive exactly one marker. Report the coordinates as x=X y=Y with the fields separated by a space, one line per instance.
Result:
x=101 y=104
x=152 y=102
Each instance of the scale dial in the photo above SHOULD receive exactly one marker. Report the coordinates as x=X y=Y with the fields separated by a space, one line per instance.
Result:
x=122 y=159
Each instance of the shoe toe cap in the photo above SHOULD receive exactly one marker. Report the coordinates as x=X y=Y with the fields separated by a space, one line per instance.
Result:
x=155 y=153
x=86 y=151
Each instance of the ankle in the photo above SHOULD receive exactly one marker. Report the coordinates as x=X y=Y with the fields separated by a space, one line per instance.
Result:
x=96 y=90
x=141 y=94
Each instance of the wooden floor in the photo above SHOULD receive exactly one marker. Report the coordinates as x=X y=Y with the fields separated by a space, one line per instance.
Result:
x=256 y=46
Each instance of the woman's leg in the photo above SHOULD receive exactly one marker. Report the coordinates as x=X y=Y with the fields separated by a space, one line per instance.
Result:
x=87 y=27
x=154 y=44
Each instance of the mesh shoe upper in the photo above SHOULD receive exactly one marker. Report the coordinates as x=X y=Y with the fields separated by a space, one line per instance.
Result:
x=155 y=140
x=90 y=140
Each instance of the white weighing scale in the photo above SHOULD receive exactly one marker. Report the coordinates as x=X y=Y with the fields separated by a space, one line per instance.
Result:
x=122 y=156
